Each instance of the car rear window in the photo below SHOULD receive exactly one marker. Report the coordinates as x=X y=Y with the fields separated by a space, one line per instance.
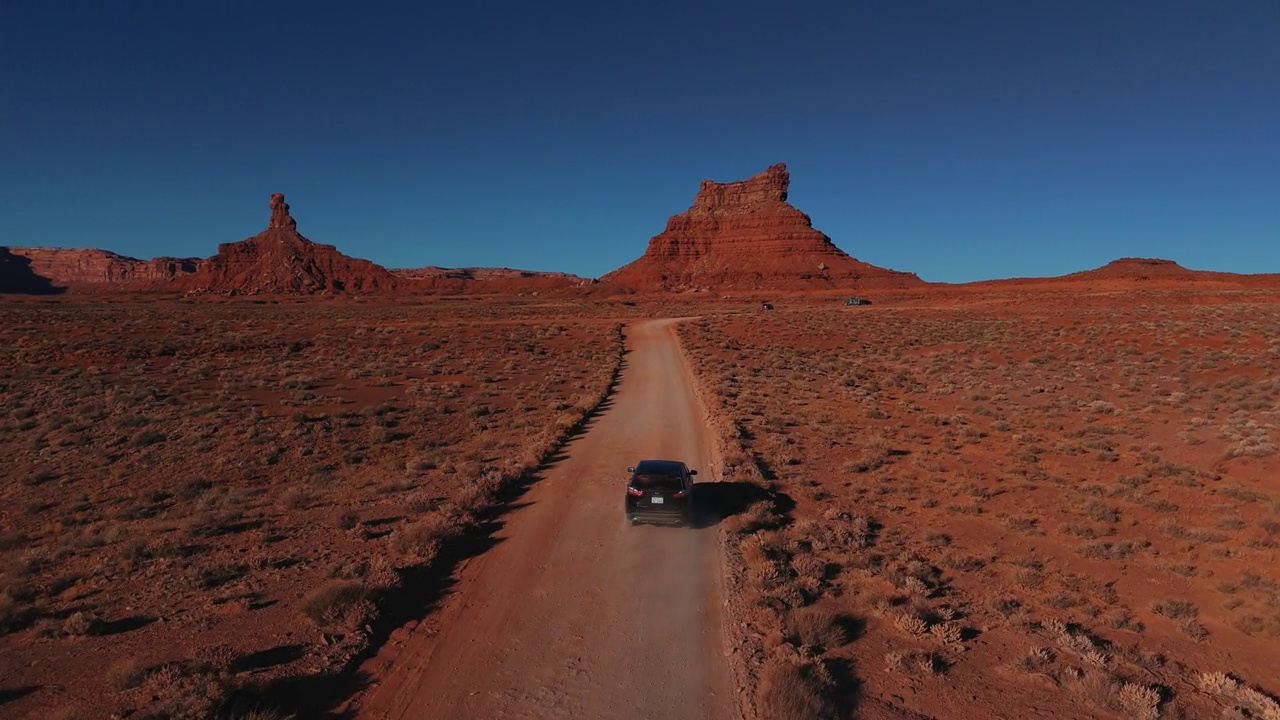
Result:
x=657 y=482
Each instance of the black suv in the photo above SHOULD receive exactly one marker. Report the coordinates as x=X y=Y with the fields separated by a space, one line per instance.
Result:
x=660 y=491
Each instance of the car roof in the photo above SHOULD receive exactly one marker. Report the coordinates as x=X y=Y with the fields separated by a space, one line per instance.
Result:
x=659 y=467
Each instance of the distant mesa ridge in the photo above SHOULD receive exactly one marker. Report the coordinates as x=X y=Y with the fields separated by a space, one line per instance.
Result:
x=741 y=235
x=745 y=235
x=1139 y=269
x=86 y=270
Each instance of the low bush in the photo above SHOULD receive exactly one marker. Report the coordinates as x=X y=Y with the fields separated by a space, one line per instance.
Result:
x=796 y=690
x=338 y=603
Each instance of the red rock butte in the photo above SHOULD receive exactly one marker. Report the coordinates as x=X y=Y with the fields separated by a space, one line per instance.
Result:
x=281 y=261
x=745 y=235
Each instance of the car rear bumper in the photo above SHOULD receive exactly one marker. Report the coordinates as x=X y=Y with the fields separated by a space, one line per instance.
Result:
x=674 y=514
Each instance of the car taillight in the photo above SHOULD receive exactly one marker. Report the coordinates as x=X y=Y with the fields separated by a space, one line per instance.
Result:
x=680 y=494
x=635 y=492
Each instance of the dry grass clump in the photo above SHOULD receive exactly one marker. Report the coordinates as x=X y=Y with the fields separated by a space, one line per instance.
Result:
x=796 y=690
x=948 y=633
x=1036 y=659
x=1139 y=701
x=816 y=627
x=910 y=624
x=184 y=691
x=1174 y=609
x=338 y=603
x=419 y=542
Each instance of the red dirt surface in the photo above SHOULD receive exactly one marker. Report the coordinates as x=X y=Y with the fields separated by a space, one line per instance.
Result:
x=214 y=500
x=954 y=503
x=1024 y=507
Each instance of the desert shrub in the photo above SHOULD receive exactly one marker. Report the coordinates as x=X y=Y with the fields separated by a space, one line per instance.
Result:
x=948 y=633
x=1004 y=605
x=796 y=690
x=1175 y=609
x=420 y=541
x=1102 y=689
x=910 y=624
x=1139 y=701
x=80 y=623
x=1113 y=551
x=816 y=627
x=1102 y=512
x=183 y=691
x=216 y=575
x=338 y=603
x=1036 y=659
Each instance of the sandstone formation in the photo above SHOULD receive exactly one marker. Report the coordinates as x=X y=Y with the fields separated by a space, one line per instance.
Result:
x=89 y=270
x=745 y=235
x=281 y=261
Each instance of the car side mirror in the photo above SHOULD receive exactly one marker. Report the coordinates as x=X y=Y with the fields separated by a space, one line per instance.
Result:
x=631 y=469
x=693 y=472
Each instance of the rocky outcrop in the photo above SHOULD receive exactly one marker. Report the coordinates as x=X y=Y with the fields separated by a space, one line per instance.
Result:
x=89 y=270
x=280 y=261
x=745 y=235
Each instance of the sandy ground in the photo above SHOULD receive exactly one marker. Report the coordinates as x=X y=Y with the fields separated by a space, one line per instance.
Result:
x=580 y=615
x=952 y=504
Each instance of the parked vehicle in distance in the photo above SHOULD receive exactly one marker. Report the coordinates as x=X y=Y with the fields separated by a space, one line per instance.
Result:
x=766 y=306
x=660 y=491
x=856 y=301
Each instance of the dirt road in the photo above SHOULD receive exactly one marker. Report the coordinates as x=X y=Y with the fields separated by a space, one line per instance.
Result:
x=573 y=614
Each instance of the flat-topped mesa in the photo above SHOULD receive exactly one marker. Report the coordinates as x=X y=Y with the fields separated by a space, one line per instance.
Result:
x=746 y=235
x=280 y=217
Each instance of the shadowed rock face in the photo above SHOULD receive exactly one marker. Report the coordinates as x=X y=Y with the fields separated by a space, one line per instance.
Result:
x=18 y=277
x=746 y=235
x=281 y=261
x=89 y=270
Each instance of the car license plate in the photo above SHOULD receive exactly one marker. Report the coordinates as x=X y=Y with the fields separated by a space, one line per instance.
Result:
x=655 y=500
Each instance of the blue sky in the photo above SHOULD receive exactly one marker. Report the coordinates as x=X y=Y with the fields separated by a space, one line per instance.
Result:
x=960 y=141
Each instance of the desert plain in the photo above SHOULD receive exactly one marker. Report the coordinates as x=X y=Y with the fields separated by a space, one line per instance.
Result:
x=962 y=504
